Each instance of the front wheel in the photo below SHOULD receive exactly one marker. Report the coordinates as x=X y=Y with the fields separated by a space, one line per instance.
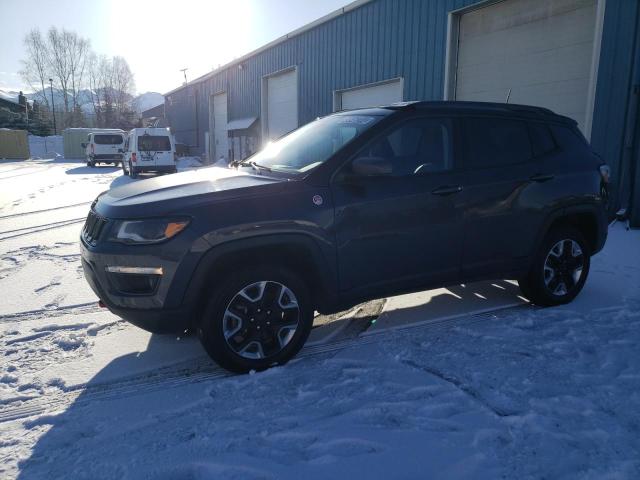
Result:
x=559 y=269
x=259 y=317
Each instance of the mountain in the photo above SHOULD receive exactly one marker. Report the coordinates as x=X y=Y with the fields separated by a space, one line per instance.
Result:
x=146 y=101
x=9 y=95
x=139 y=103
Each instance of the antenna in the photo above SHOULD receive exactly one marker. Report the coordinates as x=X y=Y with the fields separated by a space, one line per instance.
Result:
x=184 y=72
x=506 y=101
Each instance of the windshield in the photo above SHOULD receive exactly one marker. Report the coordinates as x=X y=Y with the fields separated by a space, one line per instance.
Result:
x=107 y=139
x=311 y=145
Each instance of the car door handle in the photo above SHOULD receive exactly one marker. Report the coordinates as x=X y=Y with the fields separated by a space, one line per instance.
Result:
x=447 y=190
x=541 y=177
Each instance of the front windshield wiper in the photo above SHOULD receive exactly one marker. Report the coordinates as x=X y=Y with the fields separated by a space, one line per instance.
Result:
x=256 y=166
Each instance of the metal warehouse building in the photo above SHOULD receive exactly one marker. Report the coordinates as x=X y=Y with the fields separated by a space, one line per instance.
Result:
x=578 y=57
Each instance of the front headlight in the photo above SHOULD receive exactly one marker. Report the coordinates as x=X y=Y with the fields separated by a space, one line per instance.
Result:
x=153 y=230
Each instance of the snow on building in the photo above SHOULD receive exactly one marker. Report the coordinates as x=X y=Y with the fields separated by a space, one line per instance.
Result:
x=578 y=57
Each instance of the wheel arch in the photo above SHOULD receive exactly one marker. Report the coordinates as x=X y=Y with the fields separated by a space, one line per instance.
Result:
x=584 y=218
x=297 y=252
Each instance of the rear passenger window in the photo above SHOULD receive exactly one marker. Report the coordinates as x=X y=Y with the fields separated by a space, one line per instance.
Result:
x=494 y=142
x=568 y=138
x=542 y=141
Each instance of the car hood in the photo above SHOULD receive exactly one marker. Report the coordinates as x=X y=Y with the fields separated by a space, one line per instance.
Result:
x=172 y=192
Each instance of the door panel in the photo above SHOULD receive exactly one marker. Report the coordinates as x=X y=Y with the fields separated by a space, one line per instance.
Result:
x=391 y=230
x=498 y=164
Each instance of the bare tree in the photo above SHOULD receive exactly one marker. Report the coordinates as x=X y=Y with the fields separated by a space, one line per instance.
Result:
x=123 y=84
x=78 y=49
x=67 y=57
x=111 y=85
x=35 y=67
x=60 y=63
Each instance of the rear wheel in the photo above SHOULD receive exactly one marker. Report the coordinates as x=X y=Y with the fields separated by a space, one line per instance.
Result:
x=260 y=317
x=559 y=270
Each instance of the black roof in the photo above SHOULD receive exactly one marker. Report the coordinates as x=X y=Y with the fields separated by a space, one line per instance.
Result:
x=528 y=111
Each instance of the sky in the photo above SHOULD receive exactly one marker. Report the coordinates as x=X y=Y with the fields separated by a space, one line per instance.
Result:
x=158 y=38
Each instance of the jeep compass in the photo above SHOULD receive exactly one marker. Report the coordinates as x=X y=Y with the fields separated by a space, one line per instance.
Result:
x=354 y=206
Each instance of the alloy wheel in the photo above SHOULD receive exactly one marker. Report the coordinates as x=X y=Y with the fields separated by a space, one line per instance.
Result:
x=563 y=267
x=261 y=319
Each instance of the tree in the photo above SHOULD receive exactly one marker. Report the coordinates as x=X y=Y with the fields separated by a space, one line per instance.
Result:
x=36 y=68
x=111 y=86
x=67 y=58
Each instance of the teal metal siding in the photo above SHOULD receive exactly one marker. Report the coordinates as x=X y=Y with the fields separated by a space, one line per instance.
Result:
x=386 y=39
x=613 y=134
x=380 y=40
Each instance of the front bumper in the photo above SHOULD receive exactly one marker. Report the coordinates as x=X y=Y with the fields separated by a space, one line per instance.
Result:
x=160 y=310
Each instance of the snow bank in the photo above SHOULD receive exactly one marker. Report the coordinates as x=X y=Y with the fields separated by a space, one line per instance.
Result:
x=189 y=162
x=46 y=147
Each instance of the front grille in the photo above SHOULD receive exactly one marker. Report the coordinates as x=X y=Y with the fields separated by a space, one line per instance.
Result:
x=93 y=228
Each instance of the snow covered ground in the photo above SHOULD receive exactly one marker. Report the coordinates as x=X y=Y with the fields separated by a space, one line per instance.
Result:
x=467 y=382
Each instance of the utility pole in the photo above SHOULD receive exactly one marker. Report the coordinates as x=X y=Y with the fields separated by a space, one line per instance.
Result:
x=53 y=107
x=184 y=72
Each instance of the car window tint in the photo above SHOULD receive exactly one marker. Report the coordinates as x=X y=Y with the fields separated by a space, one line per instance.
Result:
x=542 y=141
x=107 y=139
x=492 y=142
x=568 y=138
x=154 y=143
x=417 y=146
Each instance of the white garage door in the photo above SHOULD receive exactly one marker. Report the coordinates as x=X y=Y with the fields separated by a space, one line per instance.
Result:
x=540 y=50
x=282 y=104
x=369 y=96
x=218 y=116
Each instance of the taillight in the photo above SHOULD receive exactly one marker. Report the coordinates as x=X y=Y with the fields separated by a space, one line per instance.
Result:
x=134 y=157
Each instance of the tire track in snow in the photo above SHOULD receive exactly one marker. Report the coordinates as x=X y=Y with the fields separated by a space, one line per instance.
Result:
x=203 y=369
x=44 y=210
x=40 y=228
x=45 y=313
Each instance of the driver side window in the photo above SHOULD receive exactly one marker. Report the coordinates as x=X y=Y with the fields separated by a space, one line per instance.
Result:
x=417 y=146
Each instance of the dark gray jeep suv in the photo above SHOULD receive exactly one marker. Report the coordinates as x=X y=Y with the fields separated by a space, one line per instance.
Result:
x=354 y=206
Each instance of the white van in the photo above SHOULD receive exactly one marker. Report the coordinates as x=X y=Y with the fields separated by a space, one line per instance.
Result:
x=104 y=147
x=149 y=150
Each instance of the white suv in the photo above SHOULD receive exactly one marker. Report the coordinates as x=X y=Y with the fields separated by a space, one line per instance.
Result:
x=104 y=147
x=149 y=150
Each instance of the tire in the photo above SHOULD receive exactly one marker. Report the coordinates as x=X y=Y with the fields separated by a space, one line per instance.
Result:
x=237 y=326
x=132 y=172
x=559 y=270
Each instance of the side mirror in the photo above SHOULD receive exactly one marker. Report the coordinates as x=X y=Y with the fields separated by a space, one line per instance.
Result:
x=371 y=166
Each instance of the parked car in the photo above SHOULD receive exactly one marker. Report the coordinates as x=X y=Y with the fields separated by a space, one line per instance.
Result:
x=149 y=150
x=104 y=147
x=358 y=205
